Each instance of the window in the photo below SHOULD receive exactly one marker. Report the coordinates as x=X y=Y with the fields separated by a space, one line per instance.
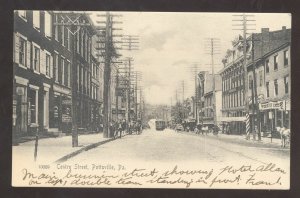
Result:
x=48 y=57
x=267 y=66
x=66 y=73
x=78 y=76
x=62 y=65
x=36 y=19
x=55 y=67
x=260 y=78
x=36 y=59
x=268 y=89
x=275 y=87
x=62 y=29
x=55 y=28
x=23 y=14
x=276 y=62
x=250 y=82
x=33 y=105
x=68 y=39
x=286 y=84
x=286 y=57
x=22 y=51
x=48 y=23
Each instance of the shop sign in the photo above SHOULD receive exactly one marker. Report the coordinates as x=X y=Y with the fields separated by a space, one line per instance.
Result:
x=20 y=91
x=273 y=105
x=66 y=110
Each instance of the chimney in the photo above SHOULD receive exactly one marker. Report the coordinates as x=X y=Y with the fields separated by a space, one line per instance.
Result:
x=283 y=27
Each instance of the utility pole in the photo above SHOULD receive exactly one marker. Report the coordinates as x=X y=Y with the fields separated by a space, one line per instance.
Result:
x=73 y=22
x=109 y=54
x=214 y=45
x=255 y=112
x=195 y=69
x=243 y=22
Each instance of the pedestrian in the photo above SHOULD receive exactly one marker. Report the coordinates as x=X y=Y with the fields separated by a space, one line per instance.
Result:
x=111 y=130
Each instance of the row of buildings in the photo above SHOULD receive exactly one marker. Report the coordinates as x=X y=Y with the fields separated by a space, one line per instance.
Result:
x=268 y=53
x=54 y=67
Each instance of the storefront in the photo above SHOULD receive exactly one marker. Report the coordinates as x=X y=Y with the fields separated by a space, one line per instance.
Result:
x=233 y=122
x=20 y=106
x=275 y=114
x=60 y=109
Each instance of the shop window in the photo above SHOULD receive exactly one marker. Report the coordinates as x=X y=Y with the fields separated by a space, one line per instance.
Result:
x=286 y=58
x=268 y=89
x=267 y=66
x=36 y=20
x=276 y=87
x=286 y=84
x=275 y=62
x=32 y=99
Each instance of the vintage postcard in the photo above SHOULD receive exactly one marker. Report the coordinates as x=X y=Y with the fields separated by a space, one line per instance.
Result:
x=151 y=100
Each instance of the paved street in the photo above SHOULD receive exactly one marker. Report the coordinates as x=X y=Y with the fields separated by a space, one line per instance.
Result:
x=169 y=146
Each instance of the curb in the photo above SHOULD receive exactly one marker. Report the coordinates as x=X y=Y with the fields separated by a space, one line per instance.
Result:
x=86 y=148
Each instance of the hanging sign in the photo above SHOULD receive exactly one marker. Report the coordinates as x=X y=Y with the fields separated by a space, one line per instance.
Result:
x=272 y=105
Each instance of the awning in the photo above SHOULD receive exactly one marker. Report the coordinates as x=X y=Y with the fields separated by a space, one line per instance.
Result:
x=232 y=119
x=208 y=122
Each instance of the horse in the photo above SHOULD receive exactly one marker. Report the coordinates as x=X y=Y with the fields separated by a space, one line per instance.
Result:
x=285 y=135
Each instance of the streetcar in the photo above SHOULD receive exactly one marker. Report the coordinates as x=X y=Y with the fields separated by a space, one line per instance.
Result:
x=160 y=125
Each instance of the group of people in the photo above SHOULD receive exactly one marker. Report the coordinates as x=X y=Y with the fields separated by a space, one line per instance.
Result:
x=120 y=127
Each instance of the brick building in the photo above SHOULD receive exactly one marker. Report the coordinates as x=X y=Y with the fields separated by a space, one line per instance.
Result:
x=43 y=68
x=272 y=69
x=265 y=44
x=33 y=71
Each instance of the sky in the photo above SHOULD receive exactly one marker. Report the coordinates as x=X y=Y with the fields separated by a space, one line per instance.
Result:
x=170 y=44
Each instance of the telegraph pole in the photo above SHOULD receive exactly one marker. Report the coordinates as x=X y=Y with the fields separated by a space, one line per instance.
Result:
x=243 y=22
x=213 y=43
x=109 y=54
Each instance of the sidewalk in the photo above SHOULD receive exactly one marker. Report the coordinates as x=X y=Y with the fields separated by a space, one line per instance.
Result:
x=52 y=149
x=241 y=139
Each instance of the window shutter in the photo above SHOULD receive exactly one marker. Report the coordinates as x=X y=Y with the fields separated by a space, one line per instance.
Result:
x=16 y=48
x=42 y=62
x=28 y=54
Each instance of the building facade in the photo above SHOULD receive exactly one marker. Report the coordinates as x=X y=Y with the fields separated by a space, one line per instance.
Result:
x=205 y=94
x=272 y=71
x=33 y=72
x=44 y=65
x=259 y=47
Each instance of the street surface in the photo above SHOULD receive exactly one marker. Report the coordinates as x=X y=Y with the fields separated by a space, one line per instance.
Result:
x=170 y=146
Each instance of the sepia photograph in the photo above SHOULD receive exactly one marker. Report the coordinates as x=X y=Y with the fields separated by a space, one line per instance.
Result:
x=185 y=100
